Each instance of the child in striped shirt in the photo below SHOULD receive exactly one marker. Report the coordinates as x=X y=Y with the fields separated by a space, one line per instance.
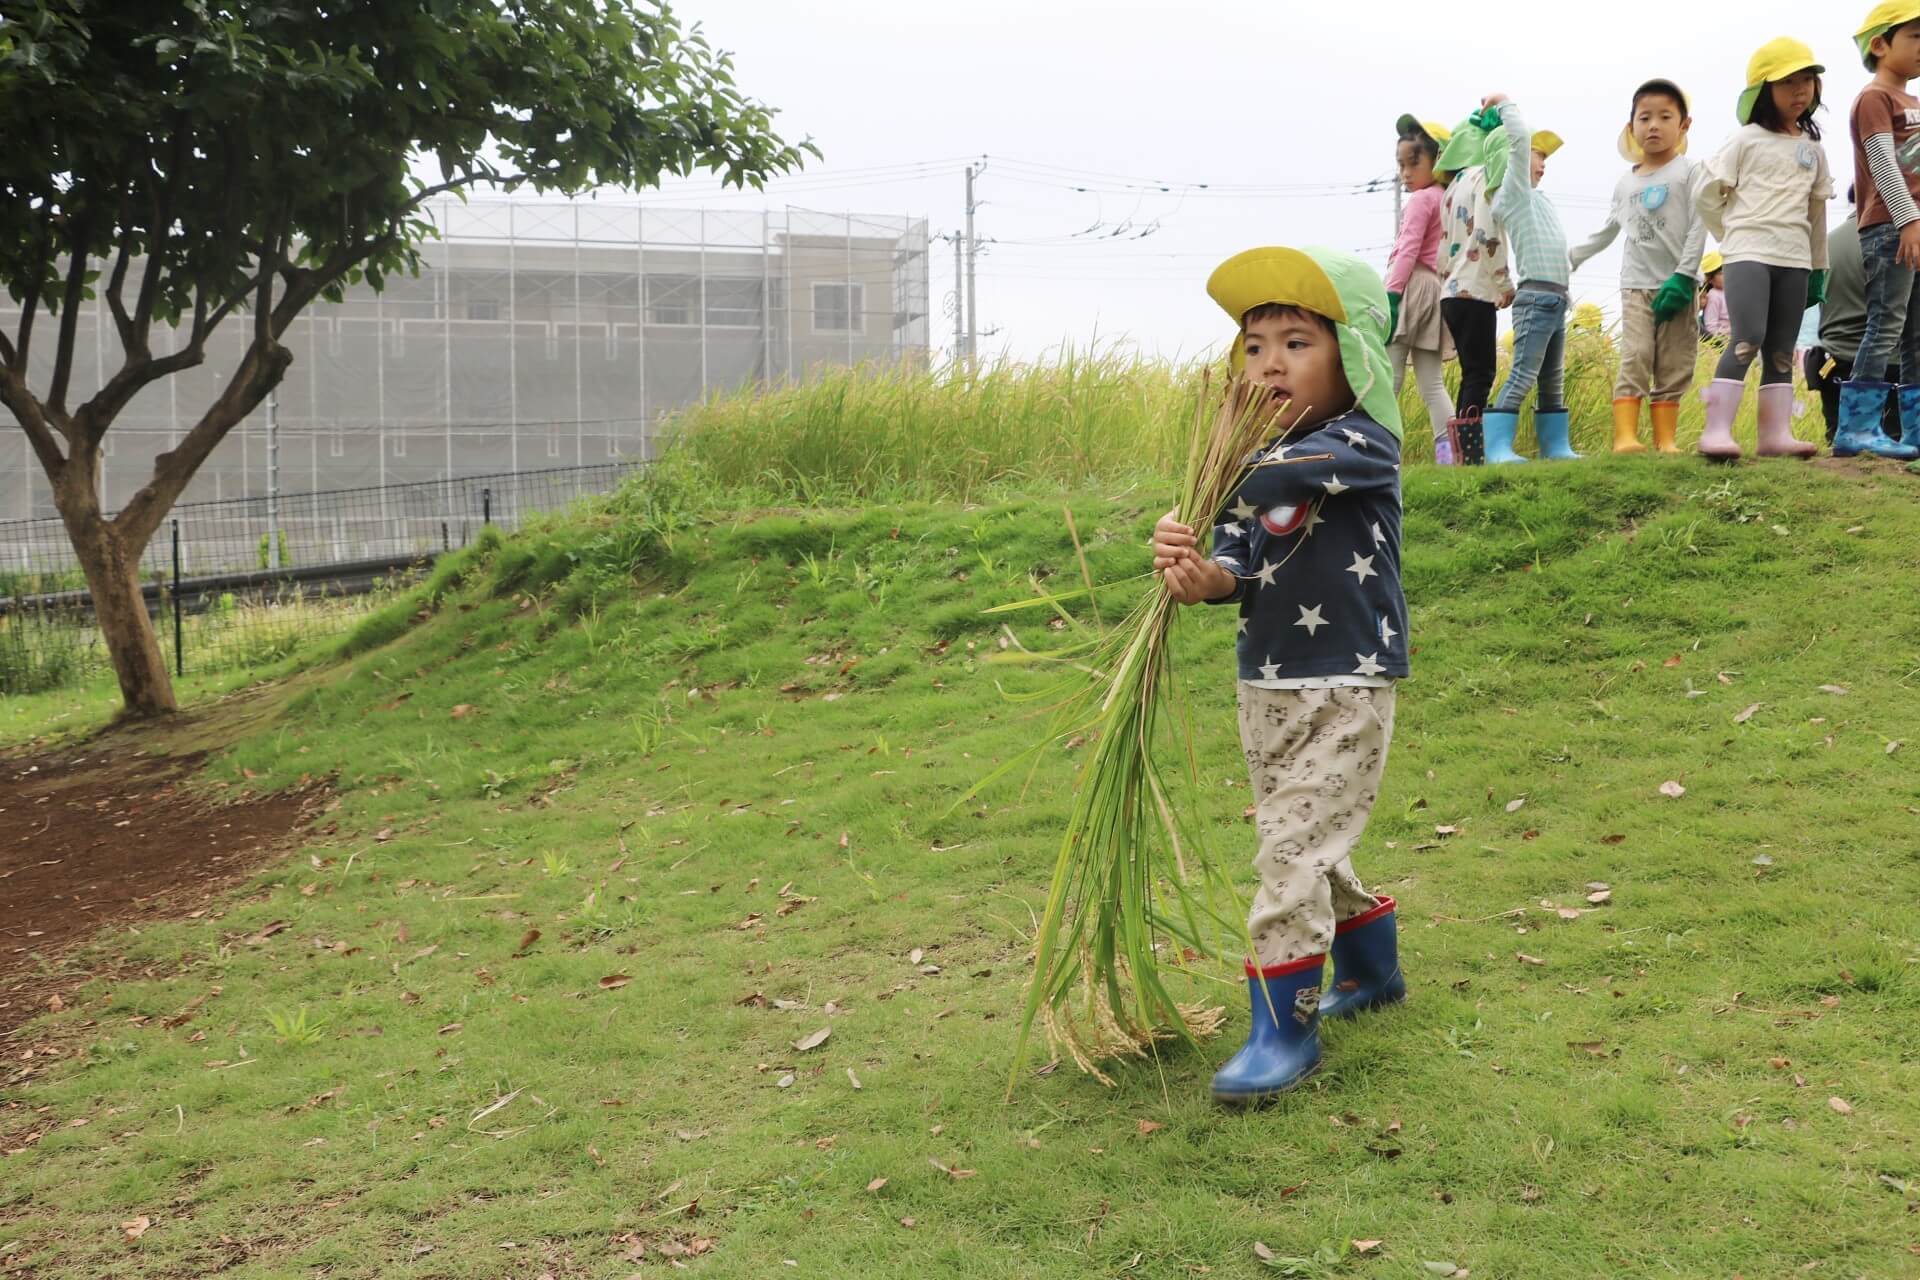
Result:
x=1537 y=249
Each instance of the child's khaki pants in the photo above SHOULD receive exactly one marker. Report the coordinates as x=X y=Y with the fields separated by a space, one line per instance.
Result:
x=1656 y=360
x=1315 y=757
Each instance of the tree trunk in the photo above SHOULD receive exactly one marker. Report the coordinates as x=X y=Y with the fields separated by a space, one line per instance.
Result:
x=112 y=567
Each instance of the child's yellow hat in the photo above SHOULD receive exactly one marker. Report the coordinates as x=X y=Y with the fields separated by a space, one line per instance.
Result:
x=1712 y=262
x=1774 y=60
x=1326 y=282
x=1546 y=141
x=1884 y=18
x=1440 y=134
x=1629 y=149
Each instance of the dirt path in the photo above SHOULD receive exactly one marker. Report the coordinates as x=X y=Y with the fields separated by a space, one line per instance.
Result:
x=105 y=834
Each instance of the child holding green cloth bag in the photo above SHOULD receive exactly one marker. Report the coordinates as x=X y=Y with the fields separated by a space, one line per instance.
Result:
x=1660 y=273
x=1537 y=248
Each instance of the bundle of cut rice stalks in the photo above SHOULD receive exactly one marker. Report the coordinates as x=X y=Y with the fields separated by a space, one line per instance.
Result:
x=1133 y=880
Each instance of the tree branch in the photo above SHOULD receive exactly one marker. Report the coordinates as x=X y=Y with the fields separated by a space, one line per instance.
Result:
x=6 y=354
x=115 y=284
x=27 y=412
x=69 y=319
x=162 y=231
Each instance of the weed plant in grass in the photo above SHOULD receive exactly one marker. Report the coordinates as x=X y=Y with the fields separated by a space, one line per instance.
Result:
x=716 y=757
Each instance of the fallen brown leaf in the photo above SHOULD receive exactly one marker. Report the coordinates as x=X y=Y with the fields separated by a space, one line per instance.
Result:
x=813 y=1041
x=1672 y=790
x=1366 y=1246
x=1146 y=1127
x=1841 y=1106
x=532 y=936
x=876 y=1184
x=1748 y=714
x=134 y=1228
x=1524 y=958
x=614 y=981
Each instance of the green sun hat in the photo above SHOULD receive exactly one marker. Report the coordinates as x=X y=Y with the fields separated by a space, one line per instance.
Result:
x=1465 y=149
x=1326 y=282
x=1884 y=18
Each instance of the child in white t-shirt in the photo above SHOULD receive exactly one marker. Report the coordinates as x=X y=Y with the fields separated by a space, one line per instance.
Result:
x=1765 y=199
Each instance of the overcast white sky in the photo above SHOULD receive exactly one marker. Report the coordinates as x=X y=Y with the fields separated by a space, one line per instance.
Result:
x=1124 y=97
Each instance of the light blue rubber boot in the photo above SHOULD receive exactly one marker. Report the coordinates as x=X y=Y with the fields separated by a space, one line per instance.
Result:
x=1553 y=428
x=1862 y=402
x=1500 y=428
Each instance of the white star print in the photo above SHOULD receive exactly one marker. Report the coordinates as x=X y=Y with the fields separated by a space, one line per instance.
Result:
x=1355 y=439
x=1387 y=633
x=1279 y=452
x=1313 y=518
x=1362 y=567
x=1233 y=530
x=1226 y=561
x=1271 y=670
x=1334 y=487
x=1378 y=537
x=1311 y=619
x=1267 y=569
x=1243 y=626
x=1369 y=664
x=1244 y=510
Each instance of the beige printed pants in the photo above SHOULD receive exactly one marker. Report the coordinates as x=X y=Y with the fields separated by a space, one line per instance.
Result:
x=1315 y=757
x=1656 y=360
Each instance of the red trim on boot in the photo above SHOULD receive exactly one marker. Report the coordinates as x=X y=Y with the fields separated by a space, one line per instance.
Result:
x=1286 y=970
x=1384 y=909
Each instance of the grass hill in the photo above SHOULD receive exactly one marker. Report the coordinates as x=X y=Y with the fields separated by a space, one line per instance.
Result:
x=632 y=805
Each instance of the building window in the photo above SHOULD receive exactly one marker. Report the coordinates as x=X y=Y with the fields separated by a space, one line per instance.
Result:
x=839 y=308
x=672 y=299
x=483 y=309
x=733 y=302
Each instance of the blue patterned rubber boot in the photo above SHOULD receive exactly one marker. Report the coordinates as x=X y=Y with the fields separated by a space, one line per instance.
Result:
x=1283 y=1045
x=1552 y=428
x=1909 y=420
x=1501 y=428
x=1862 y=401
x=1366 y=964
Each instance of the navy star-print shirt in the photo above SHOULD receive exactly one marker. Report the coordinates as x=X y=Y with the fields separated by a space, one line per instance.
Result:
x=1313 y=543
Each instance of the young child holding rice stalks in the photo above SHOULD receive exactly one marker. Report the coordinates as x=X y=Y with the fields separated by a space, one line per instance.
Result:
x=1309 y=550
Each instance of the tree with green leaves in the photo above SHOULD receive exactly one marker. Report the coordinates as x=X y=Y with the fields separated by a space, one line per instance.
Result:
x=198 y=162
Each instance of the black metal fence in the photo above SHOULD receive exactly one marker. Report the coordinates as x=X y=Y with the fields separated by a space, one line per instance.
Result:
x=242 y=583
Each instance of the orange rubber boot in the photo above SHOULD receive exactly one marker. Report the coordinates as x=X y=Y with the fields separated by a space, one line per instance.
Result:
x=1666 y=424
x=1626 y=425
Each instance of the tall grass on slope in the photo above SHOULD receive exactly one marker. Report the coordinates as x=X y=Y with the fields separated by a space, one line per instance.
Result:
x=903 y=433
x=1132 y=876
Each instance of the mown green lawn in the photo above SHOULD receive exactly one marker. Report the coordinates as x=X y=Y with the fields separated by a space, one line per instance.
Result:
x=610 y=844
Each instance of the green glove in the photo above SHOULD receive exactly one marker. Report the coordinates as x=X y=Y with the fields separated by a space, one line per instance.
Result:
x=1488 y=118
x=1817 y=287
x=1393 y=315
x=1673 y=297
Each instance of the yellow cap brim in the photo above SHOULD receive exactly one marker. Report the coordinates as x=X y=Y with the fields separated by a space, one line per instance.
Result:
x=1277 y=275
x=1711 y=263
x=1546 y=141
x=1630 y=150
x=1437 y=131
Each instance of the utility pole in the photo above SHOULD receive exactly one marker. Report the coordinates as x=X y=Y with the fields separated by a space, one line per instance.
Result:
x=973 y=248
x=959 y=302
x=273 y=479
x=1397 y=190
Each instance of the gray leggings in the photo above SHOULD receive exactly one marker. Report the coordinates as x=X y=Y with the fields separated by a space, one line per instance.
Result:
x=1765 y=304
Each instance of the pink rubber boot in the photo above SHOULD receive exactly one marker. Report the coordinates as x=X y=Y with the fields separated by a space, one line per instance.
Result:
x=1776 y=424
x=1723 y=402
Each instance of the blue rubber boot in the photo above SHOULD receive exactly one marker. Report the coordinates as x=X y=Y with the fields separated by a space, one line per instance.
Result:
x=1552 y=428
x=1861 y=403
x=1366 y=964
x=1500 y=428
x=1283 y=1045
x=1910 y=419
